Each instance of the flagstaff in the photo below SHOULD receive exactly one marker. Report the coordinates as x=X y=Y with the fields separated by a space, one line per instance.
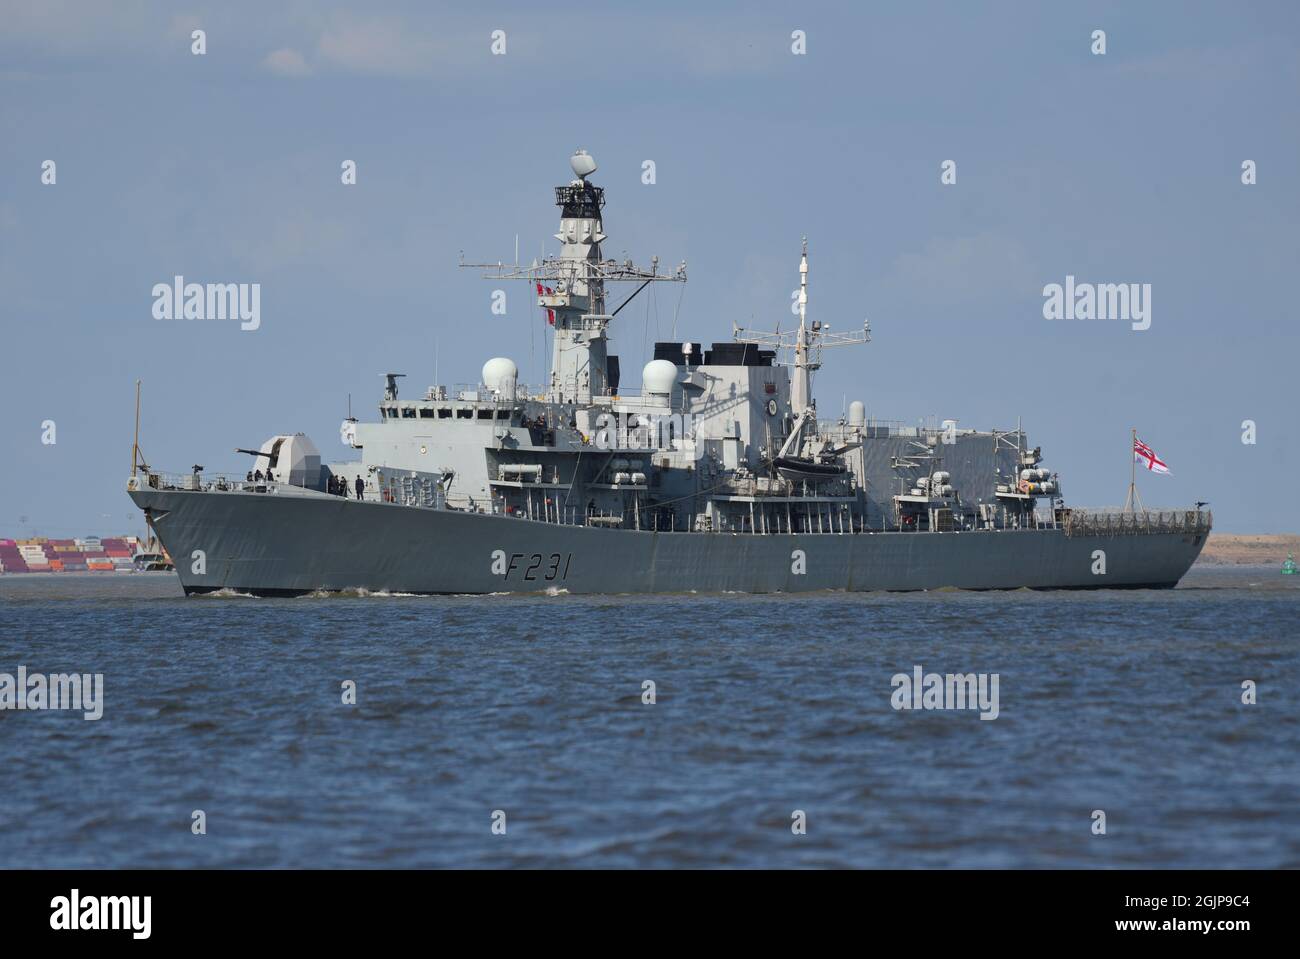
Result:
x=1131 y=502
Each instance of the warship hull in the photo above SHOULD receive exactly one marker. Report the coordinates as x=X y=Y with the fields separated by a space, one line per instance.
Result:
x=270 y=545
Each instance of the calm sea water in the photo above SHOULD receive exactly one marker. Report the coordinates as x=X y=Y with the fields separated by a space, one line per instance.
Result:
x=1128 y=702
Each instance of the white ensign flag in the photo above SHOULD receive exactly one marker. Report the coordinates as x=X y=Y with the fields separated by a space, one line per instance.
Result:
x=1147 y=456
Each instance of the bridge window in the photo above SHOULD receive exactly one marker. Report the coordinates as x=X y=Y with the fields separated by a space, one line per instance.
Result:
x=485 y=414
x=408 y=414
x=464 y=414
x=426 y=412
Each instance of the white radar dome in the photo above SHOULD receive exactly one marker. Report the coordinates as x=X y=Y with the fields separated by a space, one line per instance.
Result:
x=658 y=377
x=582 y=163
x=857 y=413
x=500 y=376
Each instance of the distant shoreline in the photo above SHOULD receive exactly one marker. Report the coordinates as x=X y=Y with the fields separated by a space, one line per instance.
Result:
x=1231 y=549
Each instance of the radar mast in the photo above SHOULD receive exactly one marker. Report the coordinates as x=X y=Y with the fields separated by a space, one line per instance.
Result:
x=571 y=286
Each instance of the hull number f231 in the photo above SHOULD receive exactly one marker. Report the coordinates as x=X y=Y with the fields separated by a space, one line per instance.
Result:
x=531 y=566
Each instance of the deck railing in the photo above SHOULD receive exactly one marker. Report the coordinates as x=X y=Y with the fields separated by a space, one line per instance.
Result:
x=1121 y=522
x=416 y=491
x=399 y=489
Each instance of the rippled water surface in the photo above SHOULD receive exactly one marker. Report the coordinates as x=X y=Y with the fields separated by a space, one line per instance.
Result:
x=1128 y=702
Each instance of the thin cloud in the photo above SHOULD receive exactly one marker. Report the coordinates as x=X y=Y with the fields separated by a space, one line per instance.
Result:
x=331 y=38
x=286 y=62
x=395 y=47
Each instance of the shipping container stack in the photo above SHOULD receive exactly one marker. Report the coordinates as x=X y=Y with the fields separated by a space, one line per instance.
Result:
x=11 y=559
x=33 y=555
x=120 y=551
x=91 y=554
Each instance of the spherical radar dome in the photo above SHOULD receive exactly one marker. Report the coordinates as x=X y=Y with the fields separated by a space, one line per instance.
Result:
x=658 y=377
x=500 y=374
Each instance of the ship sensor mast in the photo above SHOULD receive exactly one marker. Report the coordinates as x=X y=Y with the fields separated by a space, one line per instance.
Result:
x=571 y=287
x=806 y=342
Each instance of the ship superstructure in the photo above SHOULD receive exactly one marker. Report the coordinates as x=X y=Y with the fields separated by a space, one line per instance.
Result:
x=716 y=473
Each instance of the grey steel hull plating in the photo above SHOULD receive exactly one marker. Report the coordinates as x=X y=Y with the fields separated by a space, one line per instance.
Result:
x=279 y=545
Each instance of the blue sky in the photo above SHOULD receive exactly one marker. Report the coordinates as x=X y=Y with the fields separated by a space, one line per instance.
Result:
x=1123 y=168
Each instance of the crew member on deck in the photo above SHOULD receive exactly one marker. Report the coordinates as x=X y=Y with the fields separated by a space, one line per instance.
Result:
x=361 y=487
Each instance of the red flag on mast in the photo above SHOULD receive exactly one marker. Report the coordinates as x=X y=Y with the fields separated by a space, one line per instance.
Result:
x=550 y=314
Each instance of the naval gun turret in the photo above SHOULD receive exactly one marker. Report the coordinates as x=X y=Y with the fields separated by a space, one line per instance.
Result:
x=289 y=458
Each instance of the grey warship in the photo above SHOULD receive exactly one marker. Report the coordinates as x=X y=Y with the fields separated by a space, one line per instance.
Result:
x=717 y=474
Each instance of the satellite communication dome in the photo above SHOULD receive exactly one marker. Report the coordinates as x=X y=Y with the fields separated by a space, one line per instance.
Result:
x=658 y=377
x=857 y=413
x=500 y=376
x=582 y=163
